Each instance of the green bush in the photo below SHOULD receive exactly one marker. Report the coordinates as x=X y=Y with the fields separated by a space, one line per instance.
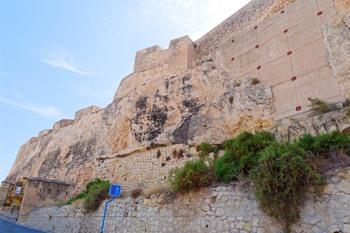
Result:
x=193 y=176
x=281 y=180
x=205 y=149
x=282 y=173
x=244 y=149
x=226 y=168
x=95 y=192
x=325 y=144
x=79 y=196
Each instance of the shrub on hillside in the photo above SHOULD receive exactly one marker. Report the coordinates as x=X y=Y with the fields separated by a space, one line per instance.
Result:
x=325 y=144
x=321 y=107
x=193 y=176
x=79 y=196
x=205 y=149
x=95 y=192
x=226 y=168
x=135 y=193
x=281 y=180
x=244 y=149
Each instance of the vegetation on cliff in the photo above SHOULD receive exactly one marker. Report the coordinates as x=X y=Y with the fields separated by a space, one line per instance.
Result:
x=281 y=173
x=95 y=192
x=194 y=175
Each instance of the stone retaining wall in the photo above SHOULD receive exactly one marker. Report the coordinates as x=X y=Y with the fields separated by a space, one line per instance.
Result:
x=229 y=208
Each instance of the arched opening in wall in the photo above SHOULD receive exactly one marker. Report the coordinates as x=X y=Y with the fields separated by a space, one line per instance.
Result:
x=346 y=131
x=58 y=192
x=49 y=190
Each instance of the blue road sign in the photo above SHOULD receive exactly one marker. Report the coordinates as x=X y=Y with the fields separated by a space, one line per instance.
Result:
x=115 y=190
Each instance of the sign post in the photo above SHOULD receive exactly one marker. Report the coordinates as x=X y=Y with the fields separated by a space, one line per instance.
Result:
x=114 y=192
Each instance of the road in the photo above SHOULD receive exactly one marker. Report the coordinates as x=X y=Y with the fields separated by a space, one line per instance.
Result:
x=10 y=227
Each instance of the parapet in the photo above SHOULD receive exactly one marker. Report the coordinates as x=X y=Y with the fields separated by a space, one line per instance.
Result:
x=62 y=123
x=44 y=132
x=179 y=56
x=86 y=111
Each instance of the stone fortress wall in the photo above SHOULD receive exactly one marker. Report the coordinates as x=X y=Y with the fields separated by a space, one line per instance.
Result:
x=289 y=51
x=286 y=49
x=200 y=91
x=216 y=209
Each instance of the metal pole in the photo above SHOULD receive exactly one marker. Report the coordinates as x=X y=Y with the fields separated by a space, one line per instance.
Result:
x=104 y=215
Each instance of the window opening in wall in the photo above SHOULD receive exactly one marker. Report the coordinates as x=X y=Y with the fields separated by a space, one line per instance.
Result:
x=49 y=190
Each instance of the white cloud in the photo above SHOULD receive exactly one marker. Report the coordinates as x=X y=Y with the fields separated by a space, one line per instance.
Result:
x=62 y=59
x=45 y=111
x=192 y=17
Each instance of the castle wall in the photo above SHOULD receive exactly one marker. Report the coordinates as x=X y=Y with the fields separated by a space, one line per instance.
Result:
x=288 y=51
x=254 y=71
x=144 y=168
x=179 y=57
x=229 y=208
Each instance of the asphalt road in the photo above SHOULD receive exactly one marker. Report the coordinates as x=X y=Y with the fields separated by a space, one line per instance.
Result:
x=10 y=227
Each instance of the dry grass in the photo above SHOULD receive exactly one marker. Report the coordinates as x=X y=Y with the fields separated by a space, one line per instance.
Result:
x=135 y=193
x=155 y=189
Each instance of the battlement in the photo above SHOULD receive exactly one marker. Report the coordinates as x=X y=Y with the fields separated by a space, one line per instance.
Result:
x=179 y=56
x=86 y=111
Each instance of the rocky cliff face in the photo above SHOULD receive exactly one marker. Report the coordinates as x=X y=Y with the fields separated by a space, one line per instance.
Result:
x=149 y=109
x=254 y=70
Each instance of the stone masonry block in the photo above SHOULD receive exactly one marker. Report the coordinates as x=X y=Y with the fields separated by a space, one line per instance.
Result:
x=318 y=84
x=304 y=33
x=271 y=27
x=277 y=72
x=310 y=58
x=244 y=42
x=285 y=99
x=245 y=63
x=273 y=49
x=300 y=11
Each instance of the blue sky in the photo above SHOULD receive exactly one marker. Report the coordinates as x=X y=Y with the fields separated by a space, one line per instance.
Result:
x=58 y=56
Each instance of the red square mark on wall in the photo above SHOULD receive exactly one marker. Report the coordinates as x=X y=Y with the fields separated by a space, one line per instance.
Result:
x=298 y=108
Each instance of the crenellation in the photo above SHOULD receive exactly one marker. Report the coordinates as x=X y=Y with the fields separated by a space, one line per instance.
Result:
x=86 y=111
x=61 y=124
x=178 y=57
x=44 y=132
